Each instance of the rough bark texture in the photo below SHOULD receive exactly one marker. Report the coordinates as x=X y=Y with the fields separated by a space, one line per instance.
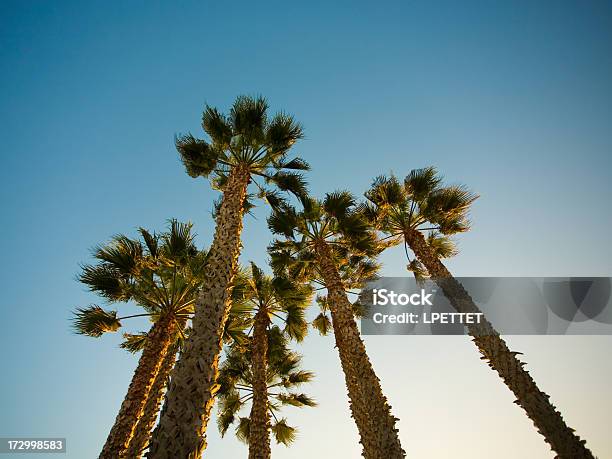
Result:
x=259 y=430
x=142 y=433
x=159 y=339
x=180 y=433
x=371 y=397
x=493 y=348
x=357 y=403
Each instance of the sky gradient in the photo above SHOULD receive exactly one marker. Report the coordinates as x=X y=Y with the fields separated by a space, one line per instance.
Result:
x=512 y=98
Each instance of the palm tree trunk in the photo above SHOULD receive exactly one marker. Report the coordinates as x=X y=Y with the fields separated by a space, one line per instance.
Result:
x=493 y=348
x=357 y=404
x=181 y=432
x=156 y=347
x=142 y=433
x=259 y=430
x=369 y=393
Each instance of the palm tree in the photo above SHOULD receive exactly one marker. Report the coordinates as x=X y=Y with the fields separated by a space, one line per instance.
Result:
x=420 y=205
x=320 y=239
x=244 y=148
x=238 y=386
x=162 y=275
x=265 y=298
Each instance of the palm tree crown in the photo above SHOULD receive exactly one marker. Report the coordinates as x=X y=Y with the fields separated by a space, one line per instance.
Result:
x=421 y=204
x=248 y=139
x=162 y=274
x=335 y=221
x=276 y=297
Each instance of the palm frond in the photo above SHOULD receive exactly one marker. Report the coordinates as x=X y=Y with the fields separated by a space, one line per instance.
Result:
x=198 y=157
x=442 y=246
x=94 y=321
x=216 y=125
x=248 y=118
x=243 y=429
x=295 y=323
x=294 y=164
x=291 y=182
x=296 y=378
x=298 y=400
x=283 y=221
x=273 y=198
x=122 y=253
x=284 y=433
x=134 y=342
x=178 y=241
x=385 y=191
x=106 y=281
x=224 y=420
x=322 y=323
x=421 y=182
x=151 y=241
x=338 y=203
x=282 y=133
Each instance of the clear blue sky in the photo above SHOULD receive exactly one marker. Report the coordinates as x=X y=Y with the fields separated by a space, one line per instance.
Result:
x=512 y=98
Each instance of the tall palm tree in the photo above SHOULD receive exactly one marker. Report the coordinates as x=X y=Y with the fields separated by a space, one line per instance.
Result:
x=244 y=147
x=404 y=212
x=238 y=387
x=266 y=298
x=321 y=238
x=162 y=275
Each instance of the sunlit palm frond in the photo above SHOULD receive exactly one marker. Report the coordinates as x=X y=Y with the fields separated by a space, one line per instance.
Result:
x=94 y=321
x=385 y=191
x=134 y=342
x=178 y=241
x=419 y=183
x=338 y=204
x=443 y=246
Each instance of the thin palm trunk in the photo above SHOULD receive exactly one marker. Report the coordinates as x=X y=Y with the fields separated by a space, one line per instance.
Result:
x=181 y=432
x=259 y=430
x=142 y=433
x=369 y=395
x=357 y=404
x=159 y=339
x=536 y=403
